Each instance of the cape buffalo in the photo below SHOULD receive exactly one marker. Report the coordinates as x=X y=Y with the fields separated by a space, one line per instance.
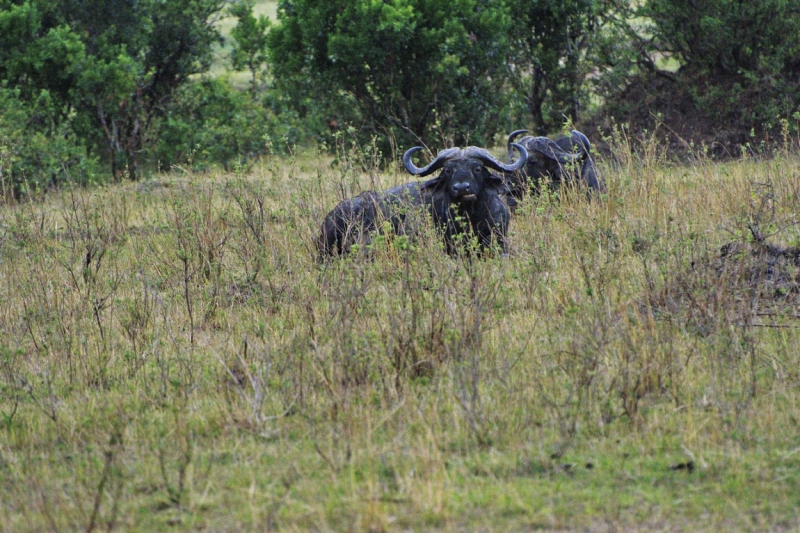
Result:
x=566 y=159
x=463 y=199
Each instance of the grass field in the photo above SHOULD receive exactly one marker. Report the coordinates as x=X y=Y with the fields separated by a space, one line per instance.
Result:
x=172 y=358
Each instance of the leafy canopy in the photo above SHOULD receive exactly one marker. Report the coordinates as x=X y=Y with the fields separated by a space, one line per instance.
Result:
x=408 y=68
x=740 y=59
x=551 y=45
x=106 y=67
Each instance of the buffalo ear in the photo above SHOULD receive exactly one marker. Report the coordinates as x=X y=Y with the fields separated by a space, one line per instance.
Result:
x=493 y=179
x=431 y=183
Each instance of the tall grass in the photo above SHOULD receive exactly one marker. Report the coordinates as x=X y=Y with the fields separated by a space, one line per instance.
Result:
x=172 y=355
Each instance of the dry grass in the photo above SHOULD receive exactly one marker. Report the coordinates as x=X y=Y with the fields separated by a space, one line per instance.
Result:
x=172 y=356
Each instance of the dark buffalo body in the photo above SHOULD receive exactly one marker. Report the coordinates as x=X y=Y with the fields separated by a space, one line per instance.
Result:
x=566 y=159
x=464 y=199
x=353 y=221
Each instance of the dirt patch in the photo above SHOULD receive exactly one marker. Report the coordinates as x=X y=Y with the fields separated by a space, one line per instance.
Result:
x=744 y=284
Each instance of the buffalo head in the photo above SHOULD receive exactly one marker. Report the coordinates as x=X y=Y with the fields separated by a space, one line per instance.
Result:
x=466 y=198
x=559 y=160
x=465 y=173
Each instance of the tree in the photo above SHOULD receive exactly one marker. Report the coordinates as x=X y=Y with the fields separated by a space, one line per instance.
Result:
x=409 y=68
x=108 y=66
x=552 y=41
x=39 y=63
x=140 y=52
x=249 y=42
x=37 y=150
x=740 y=60
x=729 y=36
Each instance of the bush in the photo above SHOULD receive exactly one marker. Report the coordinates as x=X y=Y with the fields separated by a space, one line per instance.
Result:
x=727 y=36
x=552 y=45
x=107 y=67
x=210 y=122
x=36 y=152
x=742 y=59
x=411 y=69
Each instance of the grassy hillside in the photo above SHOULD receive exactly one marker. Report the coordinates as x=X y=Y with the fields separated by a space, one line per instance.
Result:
x=173 y=358
x=260 y=7
x=222 y=65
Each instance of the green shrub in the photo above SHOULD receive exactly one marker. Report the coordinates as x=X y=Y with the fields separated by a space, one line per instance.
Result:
x=411 y=69
x=551 y=50
x=107 y=67
x=249 y=38
x=729 y=36
x=37 y=152
x=741 y=59
x=211 y=122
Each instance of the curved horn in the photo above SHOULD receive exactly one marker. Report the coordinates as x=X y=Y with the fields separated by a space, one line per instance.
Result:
x=491 y=161
x=511 y=136
x=582 y=140
x=549 y=148
x=441 y=158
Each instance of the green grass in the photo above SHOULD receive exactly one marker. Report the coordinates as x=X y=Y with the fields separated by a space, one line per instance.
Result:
x=201 y=371
x=261 y=7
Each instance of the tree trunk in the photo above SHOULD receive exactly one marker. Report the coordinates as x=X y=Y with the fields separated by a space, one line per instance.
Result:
x=536 y=101
x=132 y=150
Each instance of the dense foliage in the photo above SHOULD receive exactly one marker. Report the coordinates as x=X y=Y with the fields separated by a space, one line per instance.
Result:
x=727 y=36
x=209 y=121
x=37 y=151
x=104 y=88
x=410 y=68
x=249 y=38
x=103 y=69
x=742 y=59
x=550 y=46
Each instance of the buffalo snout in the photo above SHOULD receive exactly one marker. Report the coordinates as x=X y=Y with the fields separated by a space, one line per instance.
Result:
x=463 y=191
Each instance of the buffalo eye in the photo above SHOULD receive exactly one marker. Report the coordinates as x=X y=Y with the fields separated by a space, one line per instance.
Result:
x=477 y=169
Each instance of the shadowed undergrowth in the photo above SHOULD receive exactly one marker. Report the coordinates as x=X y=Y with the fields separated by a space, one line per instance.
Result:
x=172 y=355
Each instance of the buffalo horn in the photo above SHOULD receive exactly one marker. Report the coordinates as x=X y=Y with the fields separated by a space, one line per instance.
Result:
x=580 y=138
x=550 y=149
x=511 y=136
x=491 y=161
x=441 y=158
